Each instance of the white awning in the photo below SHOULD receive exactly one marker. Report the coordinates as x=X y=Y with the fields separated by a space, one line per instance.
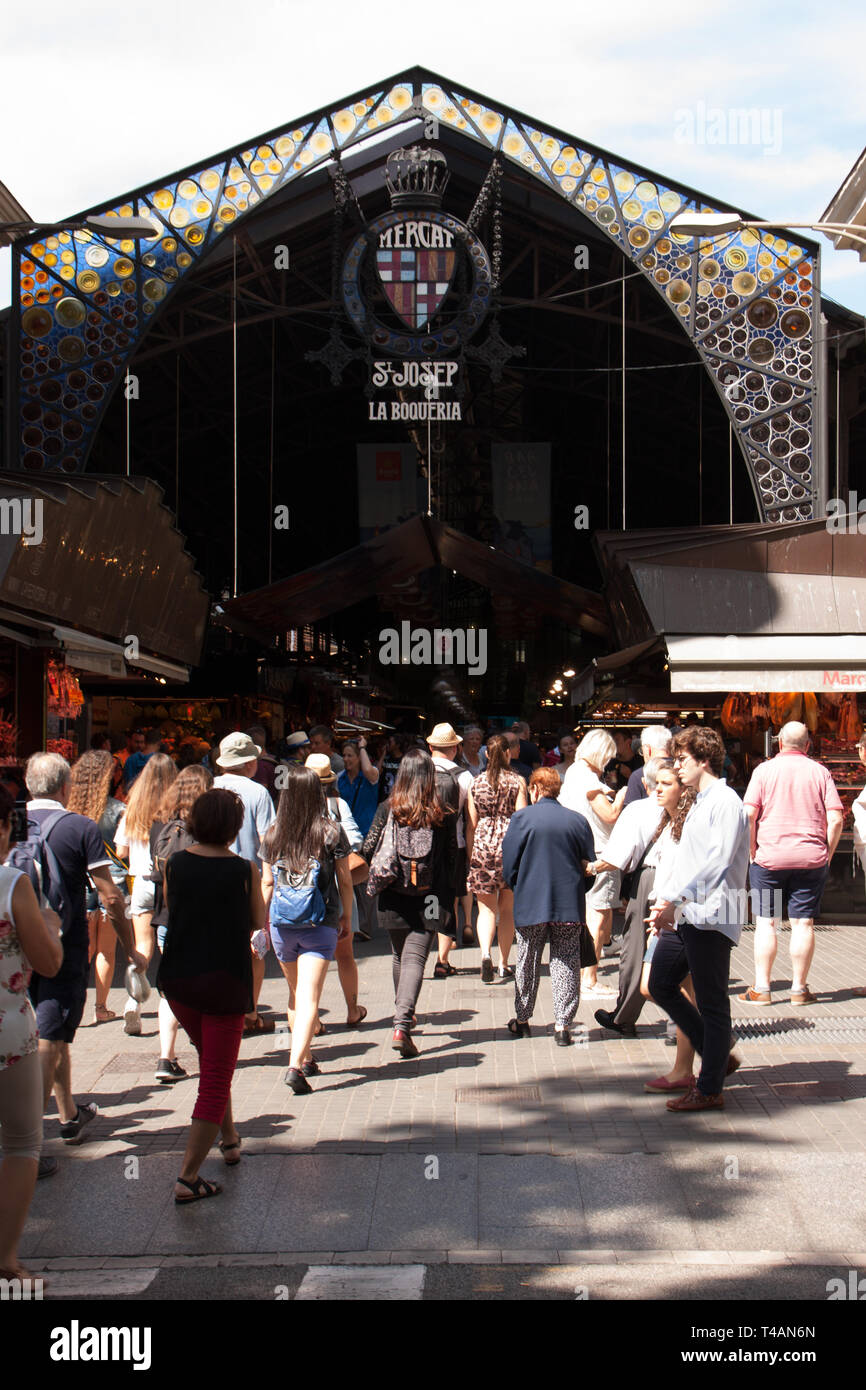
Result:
x=768 y=662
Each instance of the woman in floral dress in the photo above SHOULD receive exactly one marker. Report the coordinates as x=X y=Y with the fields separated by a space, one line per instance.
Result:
x=495 y=795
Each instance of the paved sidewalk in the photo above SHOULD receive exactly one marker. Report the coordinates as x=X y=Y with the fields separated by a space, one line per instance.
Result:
x=484 y=1149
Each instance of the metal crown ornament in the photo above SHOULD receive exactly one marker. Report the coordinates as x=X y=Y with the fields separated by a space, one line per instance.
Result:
x=416 y=176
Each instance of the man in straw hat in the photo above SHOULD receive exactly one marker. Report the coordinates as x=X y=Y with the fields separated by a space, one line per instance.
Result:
x=238 y=759
x=452 y=784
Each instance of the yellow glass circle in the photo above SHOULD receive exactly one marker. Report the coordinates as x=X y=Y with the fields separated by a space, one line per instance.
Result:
x=764 y=258
x=195 y=236
x=264 y=152
x=202 y=207
x=184 y=259
x=677 y=292
x=597 y=175
x=113 y=288
x=646 y=190
x=67 y=272
x=162 y=199
x=631 y=208
x=513 y=143
x=187 y=189
x=227 y=213
x=265 y=182
x=568 y=185
x=51 y=243
x=669 y=201
x=576 y=168
x=123 y=267
x=550 y=148
x=257 y=167
x=125 y=211
x=654 y=219
x=559 y=166
x=178 y=217
x=169 y=244
x=37 y=250
x=87 y=281
x=400 y=98
x=49 y=258
x=285 y=146
x=210 y=179
x=624 y=182
x=736 y=258
x=490 y=122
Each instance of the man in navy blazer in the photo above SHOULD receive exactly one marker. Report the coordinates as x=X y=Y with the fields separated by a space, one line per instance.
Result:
x=544 y=854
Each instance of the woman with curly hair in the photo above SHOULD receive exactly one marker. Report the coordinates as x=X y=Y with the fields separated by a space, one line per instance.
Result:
x=90 y=795
x=169 y=833
x=676 y=801
x=133 y=843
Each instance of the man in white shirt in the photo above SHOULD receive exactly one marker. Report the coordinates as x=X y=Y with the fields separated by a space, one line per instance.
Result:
x=699 y=911
x=625 y=850
x=239 y=759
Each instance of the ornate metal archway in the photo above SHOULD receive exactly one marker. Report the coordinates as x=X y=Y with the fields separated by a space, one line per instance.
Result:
x=750 y=304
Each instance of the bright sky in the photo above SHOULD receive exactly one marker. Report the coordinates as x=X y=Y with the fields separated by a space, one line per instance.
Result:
x=99 y=97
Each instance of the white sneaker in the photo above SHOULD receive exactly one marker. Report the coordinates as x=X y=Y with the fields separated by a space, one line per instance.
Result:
x=132 y=1022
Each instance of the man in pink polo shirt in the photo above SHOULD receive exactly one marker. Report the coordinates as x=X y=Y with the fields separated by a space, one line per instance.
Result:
x=796 y=820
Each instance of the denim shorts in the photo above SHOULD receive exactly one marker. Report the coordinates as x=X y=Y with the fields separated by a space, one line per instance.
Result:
x=652 y=942
x=787 y=892
x=142 y=896
x=313 y=939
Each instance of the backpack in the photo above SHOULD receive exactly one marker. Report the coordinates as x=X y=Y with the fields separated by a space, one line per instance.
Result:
x=35 y=858
x=172 y=837
x=297 y=897
x=403 y=860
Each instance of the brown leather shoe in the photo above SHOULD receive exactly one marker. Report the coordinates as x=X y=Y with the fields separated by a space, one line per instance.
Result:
x=756 y=996
x=696 y=1100
x=734 y=1063
x=803 y=996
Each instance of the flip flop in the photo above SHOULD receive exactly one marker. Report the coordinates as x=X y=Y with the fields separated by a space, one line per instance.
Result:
x=200 y=1189
x=359 y=1020
x=264 y=1023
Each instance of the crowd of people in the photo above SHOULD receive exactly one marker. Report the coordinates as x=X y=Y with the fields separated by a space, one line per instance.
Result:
x=216 y=860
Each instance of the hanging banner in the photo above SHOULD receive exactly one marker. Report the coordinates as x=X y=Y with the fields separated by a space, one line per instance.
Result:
x=388 y=487
x=521 y=502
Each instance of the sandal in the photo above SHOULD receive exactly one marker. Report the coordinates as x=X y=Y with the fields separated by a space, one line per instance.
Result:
x=359 y=1020
x=225 y=1148
x=441 y=970
x=262 y=1023
x=103 y=1014
x=200 y=1189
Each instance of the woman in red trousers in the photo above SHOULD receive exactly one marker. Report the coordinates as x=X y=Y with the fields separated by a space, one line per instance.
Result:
x=215 y=903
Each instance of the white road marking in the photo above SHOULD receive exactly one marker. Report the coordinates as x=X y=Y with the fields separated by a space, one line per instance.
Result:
x=97 y=1283
x=363 y=1282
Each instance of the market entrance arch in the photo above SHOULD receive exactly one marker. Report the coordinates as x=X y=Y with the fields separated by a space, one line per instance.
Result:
x=749 y=305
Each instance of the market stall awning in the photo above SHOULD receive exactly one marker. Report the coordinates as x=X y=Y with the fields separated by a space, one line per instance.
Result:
x=767 y=662
x=88 y=563
x=798 y=578
x=396 y=556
